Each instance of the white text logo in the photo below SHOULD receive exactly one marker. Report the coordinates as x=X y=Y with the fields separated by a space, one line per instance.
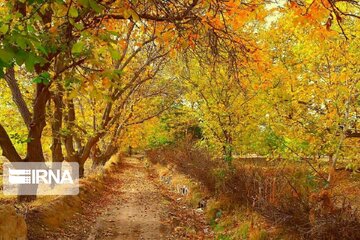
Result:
x=36 y=176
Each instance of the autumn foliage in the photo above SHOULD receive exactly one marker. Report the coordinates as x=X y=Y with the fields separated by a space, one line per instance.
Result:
x=81 y=80
x=287 y=196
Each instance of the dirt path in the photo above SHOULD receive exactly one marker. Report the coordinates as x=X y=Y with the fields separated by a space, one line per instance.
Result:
x=137 y=213
x=135 y=206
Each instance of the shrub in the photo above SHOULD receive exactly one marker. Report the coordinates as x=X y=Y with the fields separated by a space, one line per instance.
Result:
x=289 y=195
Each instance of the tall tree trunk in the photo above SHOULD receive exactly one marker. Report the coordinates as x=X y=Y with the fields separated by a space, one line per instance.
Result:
x=57 y=97
x=17 y=96
x=342 y=138
x=101 y=159
x=335 y=157
x=228 y=147
x=57 y=154
x=82 y=153
x=111 y=149
x=81 y=169
x=72 y=155
x=34 y=146
x=11 y=154
x=87 y=148
x=56 y=150
x=94 y=155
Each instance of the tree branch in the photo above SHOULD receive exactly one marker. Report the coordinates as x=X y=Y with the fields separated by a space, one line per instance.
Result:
x=17 y=96
x=8 y=149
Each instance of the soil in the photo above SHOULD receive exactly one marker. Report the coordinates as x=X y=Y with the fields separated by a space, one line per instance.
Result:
x=135 y=205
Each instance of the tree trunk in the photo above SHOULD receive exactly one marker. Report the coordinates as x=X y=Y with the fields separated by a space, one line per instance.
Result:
x=97 y=162
x=81 y=169
x=228 y=148
x=17 y=96
x=336 y=156
x=100 y=160
x=86 y=153
x=34 y=146
x=57 y=154
x=56 y=150
x=82 y=153
x=95 y=157
x=332 y=165
x=8 y=149
x=11 y=154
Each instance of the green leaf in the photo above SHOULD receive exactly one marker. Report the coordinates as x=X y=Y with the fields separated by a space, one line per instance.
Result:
x=72 y=22
x=79 y=26
x=4 y=28
x=6 y=55
x=70 y=81
x=96 y=7
x=73 y=12
x=20 y=57
x=115 y=54
x=84 y=3
x=21 y=41
x=30 y=28
x=77 y=48
x=118 y=72
x=30 y=61
x=42 y=78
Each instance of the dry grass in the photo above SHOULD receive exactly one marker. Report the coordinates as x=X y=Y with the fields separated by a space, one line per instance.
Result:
x=291 y=196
